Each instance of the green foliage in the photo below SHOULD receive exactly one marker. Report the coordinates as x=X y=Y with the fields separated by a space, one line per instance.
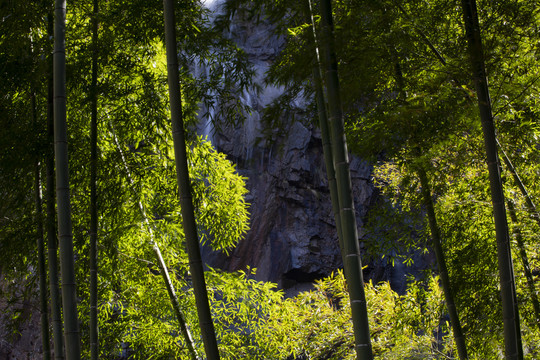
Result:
x=259 y=323
x=395 y=226
x=242 y=308
x=135 y=306
x=218 y=191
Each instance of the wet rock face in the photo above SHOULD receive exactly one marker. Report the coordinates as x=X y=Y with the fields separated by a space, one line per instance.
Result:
x=293 y=236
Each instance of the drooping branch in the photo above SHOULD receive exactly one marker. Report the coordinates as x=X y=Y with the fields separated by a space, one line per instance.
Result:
x=422 y=34
x=162 y=266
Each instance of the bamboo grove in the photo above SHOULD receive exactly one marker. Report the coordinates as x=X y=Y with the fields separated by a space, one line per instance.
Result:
x=108 y=193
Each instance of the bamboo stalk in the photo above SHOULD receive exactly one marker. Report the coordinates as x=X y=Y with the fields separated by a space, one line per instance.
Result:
x=351 y=255
x=94 y=331
x=184 y=187
x=162 y=268
x=325 y=130
x=40 y=242
x=441 y=263
x=52 y=240
x=525 y=262
x=512 y=335
x=67 y=260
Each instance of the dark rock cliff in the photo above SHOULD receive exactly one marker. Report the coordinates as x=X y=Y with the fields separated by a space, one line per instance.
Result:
x=293 y=237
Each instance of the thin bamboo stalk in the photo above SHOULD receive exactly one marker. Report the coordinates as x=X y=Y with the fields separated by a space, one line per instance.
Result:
x=441 y=263
x=40 y=242
x=67 y=259
x=52 y=240
x=94 y=334
x=525 y=262
x=521 y=186
x=323 y=125
x=42 y=270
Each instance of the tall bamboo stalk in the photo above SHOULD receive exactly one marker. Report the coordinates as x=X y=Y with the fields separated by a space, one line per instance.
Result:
x=65 y=236
x=184 y=186
x=512 y=335
x=351 y=254
x=441 y=263
x=94 y=331
x=436 y=239
x=52 y=240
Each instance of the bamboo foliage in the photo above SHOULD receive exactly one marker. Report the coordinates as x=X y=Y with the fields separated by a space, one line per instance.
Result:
x=512 y=336
x=162 y=267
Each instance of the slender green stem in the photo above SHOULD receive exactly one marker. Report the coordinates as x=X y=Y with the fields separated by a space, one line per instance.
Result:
x=525 y=262
x=67 y=257
x=441 y=262
x=42 y=271
x=44 y=308
x=325 y=130
x=94 y=331
x=163 y=268
x=521 y=186
x=52 y=240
